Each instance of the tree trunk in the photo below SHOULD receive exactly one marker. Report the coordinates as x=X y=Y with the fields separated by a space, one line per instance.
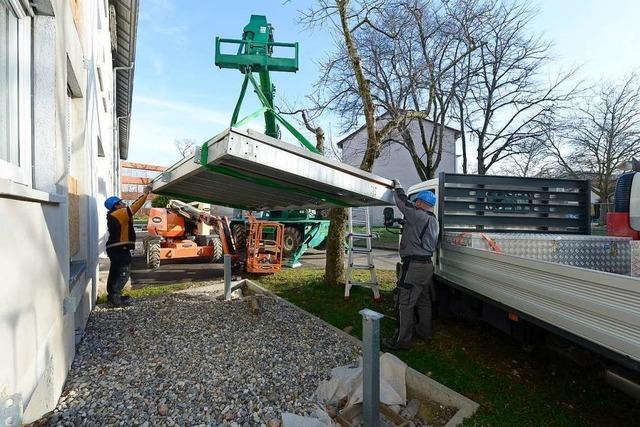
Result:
x=605 y=206
x=407 y=139
x=465 y=169
x=334 y=263
x=372 y=150
x=463 y=137
x=317 y=131
x=334 y=258
x=481 y=167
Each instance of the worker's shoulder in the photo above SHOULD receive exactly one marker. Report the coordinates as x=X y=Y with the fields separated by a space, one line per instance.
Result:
x=424 y=214
x=120 y=213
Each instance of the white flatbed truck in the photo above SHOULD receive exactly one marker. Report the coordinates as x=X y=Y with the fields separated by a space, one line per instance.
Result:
x=597 y=310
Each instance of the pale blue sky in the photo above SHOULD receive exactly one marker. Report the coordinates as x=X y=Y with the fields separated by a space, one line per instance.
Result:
x=179 y=93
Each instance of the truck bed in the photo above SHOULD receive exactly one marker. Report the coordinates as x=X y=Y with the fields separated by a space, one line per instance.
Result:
x=601 y=308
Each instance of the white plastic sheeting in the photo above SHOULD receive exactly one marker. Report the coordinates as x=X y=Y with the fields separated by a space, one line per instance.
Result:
x=346 y=382
x=321 y=419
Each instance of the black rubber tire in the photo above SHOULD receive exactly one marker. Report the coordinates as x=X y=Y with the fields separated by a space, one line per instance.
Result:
x=153 y=254
x=239 y=232
x=202 y=240
x=218 y=252
x=623 y=192
x=323 y=245
x=291 y=240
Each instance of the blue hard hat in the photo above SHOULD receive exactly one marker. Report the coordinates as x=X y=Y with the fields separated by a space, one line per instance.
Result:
x=111 y=202
x=427 y=196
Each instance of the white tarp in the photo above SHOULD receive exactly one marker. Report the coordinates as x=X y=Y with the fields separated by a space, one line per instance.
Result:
x=293 y=420
x=346 y=382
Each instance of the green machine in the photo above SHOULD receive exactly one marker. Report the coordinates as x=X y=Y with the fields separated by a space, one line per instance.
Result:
x=254 y=53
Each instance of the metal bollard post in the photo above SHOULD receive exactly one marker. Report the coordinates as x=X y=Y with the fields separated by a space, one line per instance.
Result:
x=227 y=277
x=371 y=367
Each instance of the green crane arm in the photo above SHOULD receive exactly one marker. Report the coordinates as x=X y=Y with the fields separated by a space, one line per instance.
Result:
x=271 y=128
x=255 y=54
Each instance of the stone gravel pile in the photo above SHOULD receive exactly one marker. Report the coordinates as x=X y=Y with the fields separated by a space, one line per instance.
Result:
x=186 y=359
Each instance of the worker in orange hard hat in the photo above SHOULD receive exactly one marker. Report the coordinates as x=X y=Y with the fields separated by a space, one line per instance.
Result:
x=122 y=239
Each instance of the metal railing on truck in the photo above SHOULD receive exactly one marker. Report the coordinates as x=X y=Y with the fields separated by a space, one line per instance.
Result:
x=512 y=204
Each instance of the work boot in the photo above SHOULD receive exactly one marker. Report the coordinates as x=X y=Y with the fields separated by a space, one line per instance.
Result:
x=124 y=298
x=118 y=301
x=392 y=344
x=421 y=338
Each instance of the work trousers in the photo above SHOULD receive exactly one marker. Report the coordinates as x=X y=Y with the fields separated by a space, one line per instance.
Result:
x=413 y=302
x=120 y=269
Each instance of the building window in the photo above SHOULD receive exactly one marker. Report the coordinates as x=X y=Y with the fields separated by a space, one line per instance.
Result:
x=9 y=151
x=15 y=107
x=100 y=148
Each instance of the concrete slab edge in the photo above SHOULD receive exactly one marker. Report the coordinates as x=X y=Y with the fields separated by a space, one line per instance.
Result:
x=415 y=380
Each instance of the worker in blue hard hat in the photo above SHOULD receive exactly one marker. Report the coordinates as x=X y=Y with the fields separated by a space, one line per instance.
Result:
x=414 y=290
x=121 y=241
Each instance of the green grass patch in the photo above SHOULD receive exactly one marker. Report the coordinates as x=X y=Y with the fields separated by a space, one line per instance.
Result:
x=385 y=238
x=155 y=290
x=513 y=385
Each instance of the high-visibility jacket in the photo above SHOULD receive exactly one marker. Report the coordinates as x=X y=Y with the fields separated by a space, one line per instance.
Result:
x=120 y=225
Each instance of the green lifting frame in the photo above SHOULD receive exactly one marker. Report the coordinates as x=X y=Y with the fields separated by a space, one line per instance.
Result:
x=255 y=55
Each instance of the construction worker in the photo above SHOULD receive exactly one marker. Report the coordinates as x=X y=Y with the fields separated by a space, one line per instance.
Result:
x=414 y=289
x=121 y=241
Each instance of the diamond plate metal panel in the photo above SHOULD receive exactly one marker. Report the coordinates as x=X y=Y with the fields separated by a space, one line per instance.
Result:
x=603 y=253
x=635 y=258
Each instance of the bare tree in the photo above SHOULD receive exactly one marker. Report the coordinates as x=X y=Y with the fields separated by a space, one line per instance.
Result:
x=347 y=18
x=601 y=134
x=186 y=146
x=410 y=70
x=307 y=119
x=533 y=159
x=508 y=95
x=436 y=58
x=337 y=216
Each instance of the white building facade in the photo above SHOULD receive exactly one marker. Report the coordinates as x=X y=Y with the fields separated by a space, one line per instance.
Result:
x=395 y=161
x=61 y=142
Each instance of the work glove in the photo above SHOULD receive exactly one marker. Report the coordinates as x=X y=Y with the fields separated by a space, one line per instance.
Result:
x=147 y=190
x=396 y=184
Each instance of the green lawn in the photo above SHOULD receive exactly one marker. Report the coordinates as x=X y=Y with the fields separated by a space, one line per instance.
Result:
x=386 y=238
x=514 y=387
x=154 y=290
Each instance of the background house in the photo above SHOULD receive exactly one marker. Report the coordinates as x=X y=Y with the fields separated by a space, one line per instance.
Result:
x=64 y=122
x=134 y=177
x=395 y=161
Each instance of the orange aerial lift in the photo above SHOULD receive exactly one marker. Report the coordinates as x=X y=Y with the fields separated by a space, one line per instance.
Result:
x=185 y=231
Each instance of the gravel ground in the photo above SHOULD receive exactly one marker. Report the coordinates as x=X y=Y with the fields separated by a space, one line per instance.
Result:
x=185 y=359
